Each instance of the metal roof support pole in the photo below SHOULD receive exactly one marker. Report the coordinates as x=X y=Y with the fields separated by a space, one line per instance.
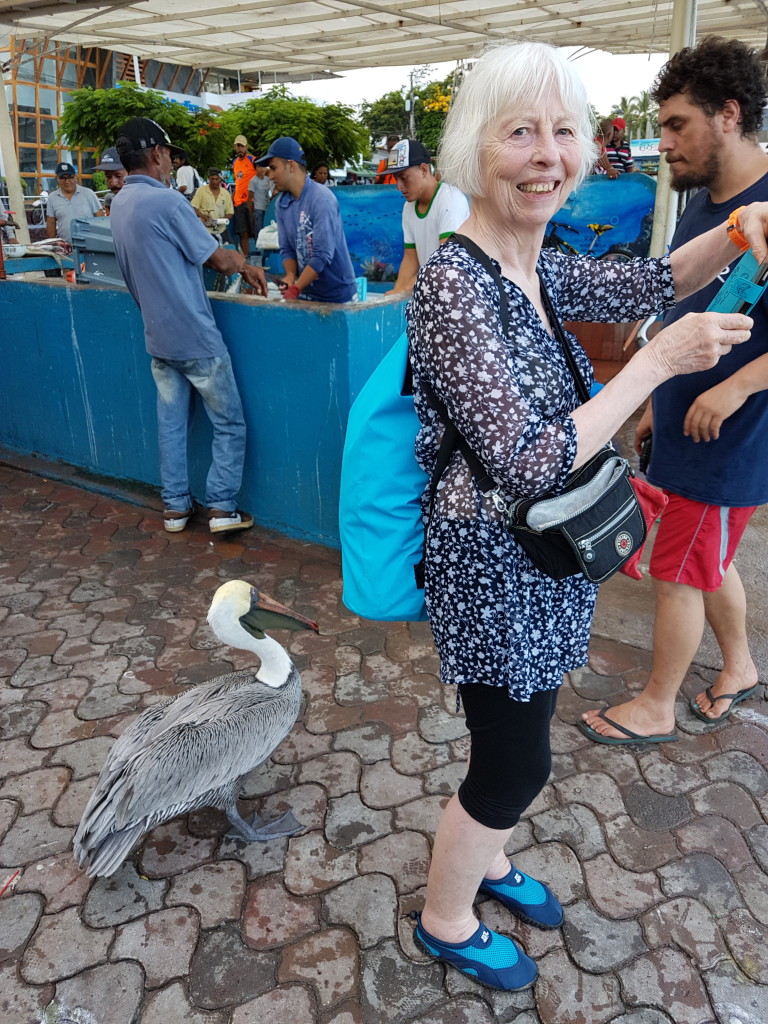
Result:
x=682 y=33
x=11 y=165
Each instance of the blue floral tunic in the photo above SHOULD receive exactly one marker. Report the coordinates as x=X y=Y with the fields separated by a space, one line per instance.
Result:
x=497 y=619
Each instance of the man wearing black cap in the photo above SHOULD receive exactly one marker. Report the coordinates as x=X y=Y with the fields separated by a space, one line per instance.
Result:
x=160 y=245
x=312 y=243
x=432 y=212
x=69 y=202
x=114 y=172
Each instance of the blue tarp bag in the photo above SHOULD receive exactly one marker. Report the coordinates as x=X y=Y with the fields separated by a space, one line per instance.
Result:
x=382 y=536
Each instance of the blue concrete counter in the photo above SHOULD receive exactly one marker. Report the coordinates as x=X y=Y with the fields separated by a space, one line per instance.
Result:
x=78 y=388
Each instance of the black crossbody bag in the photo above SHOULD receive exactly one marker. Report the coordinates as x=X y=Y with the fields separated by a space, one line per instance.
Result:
x=594 y=523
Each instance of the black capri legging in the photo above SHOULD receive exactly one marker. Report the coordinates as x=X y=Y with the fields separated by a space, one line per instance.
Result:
x=510 y=754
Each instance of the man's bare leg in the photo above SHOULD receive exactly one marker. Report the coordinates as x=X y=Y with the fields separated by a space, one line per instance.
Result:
x=677 y=633
x=726 y=612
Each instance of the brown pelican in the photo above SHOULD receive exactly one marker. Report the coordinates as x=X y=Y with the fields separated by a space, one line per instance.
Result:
x=192 y=751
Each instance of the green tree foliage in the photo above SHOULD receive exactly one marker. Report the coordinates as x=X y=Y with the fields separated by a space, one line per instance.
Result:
x=326 y=133
x=640 y=113
x=91 y=118
x=388 y=116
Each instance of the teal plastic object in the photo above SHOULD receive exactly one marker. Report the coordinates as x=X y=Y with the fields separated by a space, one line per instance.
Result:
x=382 y=537
x=743 y=287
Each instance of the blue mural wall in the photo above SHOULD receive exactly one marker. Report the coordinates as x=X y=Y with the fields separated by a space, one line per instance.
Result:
x=621 y=209
x=78 y=388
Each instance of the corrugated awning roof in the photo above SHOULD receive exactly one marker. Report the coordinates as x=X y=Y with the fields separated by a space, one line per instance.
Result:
x=304 y=36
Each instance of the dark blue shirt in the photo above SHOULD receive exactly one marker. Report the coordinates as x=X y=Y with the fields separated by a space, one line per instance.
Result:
x=311 y=233
x=161 y=244
x=732 y=471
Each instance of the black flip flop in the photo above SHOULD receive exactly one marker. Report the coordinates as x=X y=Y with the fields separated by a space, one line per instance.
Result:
x=631 y=737
x=734 y=698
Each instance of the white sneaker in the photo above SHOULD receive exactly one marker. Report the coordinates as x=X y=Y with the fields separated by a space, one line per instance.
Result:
x=221 y=522
x=174 y=522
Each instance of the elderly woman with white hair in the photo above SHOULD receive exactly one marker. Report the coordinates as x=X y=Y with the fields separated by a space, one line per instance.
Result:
x=518 y=140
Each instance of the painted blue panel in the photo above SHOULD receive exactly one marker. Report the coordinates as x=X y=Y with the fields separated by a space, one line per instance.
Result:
x=78 y=388
x=626 y=204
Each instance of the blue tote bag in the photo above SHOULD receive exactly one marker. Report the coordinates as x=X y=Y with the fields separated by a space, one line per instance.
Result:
x=382 y=536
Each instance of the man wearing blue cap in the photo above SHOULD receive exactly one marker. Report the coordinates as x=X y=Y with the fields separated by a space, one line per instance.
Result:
x=312 y=244
x=69 y=202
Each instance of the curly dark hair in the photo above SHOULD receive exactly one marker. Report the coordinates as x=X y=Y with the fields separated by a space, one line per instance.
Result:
x=713 y=72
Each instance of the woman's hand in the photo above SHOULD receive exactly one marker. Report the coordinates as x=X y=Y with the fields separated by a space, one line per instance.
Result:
x=697 y=341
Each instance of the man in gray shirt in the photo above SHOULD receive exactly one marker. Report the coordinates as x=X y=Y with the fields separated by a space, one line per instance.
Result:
x=69 y=202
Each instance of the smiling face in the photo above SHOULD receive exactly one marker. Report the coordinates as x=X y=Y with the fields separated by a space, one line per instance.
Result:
x=691 y=141
x=67 y=184
x=530 y=163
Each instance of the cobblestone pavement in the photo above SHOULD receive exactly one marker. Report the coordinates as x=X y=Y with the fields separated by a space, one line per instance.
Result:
x=660 y=855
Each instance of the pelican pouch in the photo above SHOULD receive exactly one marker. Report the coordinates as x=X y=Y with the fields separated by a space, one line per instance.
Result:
x=592 y=526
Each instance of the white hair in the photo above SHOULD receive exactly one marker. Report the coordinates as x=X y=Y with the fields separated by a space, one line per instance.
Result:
x=510 y=77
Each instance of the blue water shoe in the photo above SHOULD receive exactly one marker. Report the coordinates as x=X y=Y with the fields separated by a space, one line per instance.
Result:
x=528 y=899
x=488 y=958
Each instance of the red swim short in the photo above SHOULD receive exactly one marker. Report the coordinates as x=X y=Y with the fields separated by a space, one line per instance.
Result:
x=695 y=543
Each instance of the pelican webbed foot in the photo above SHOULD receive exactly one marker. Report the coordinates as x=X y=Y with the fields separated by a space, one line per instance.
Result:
x=259 y=831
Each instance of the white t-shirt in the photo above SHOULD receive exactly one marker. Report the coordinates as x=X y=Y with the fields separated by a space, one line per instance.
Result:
x=186 y=175
x=423 y=231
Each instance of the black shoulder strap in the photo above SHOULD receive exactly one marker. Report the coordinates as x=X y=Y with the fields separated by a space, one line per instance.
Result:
x=581 y=385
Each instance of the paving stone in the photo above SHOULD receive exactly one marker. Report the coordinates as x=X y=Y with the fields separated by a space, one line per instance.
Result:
x=365 y=905
x=349 y=822
x=59 y=880
x=598 y=944
x=86 y=757
x=21 y=718
x=118 y=987
x=713 y=833
x=35 y=671
x=370 y=742
x=171 y=1005
x=665 y=979
x=403 y=856
x=260 y=859
x=637 y=849
x=91 y=590
x=689 y=925
x=19 y=1002
x=284 y=1004
x=338 y=773
x=618 y=893
x=591 y=686
x=327 y=961
x=671 y=779
x=170 y=848
x=273 y=918
x=702 y=877
x=740 y=766
x=734 y=998
x=383 y=787
x=36 y=790
x=745 y=737
x=104 y=702
x=63 y=946
x=308 y=803
x=225 y=972
x=444 y=781
x=19 y=916
x=313 y=866
x=163 y=942
x=122 y=897
x=324 y=715
x=393 y=989
x=644 y=1016
x=31 y=837
x=353 y=689
x=412 y=755
x=565 y=994
x=439 y=726
x=729 y=801
x=654 y=811
x=9 y=810
x=753 y=886
x=70 y=806
x=268 y=778
x=60 y=727
x=595 y=790
x=576 y=825
x=300 y=745
x=216 y=891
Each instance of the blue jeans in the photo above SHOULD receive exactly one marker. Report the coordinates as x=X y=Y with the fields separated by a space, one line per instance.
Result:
x=177 y=380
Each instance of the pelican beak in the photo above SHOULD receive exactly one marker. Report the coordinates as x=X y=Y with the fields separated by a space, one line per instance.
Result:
x=265 y=614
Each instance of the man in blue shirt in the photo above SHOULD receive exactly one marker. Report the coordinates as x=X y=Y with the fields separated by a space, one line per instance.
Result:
x=161 y=244
x=312 y=244
x=709 y=428
x=69 y=202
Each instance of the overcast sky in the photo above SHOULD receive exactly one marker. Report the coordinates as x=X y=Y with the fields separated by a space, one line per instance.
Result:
x=606 y=77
